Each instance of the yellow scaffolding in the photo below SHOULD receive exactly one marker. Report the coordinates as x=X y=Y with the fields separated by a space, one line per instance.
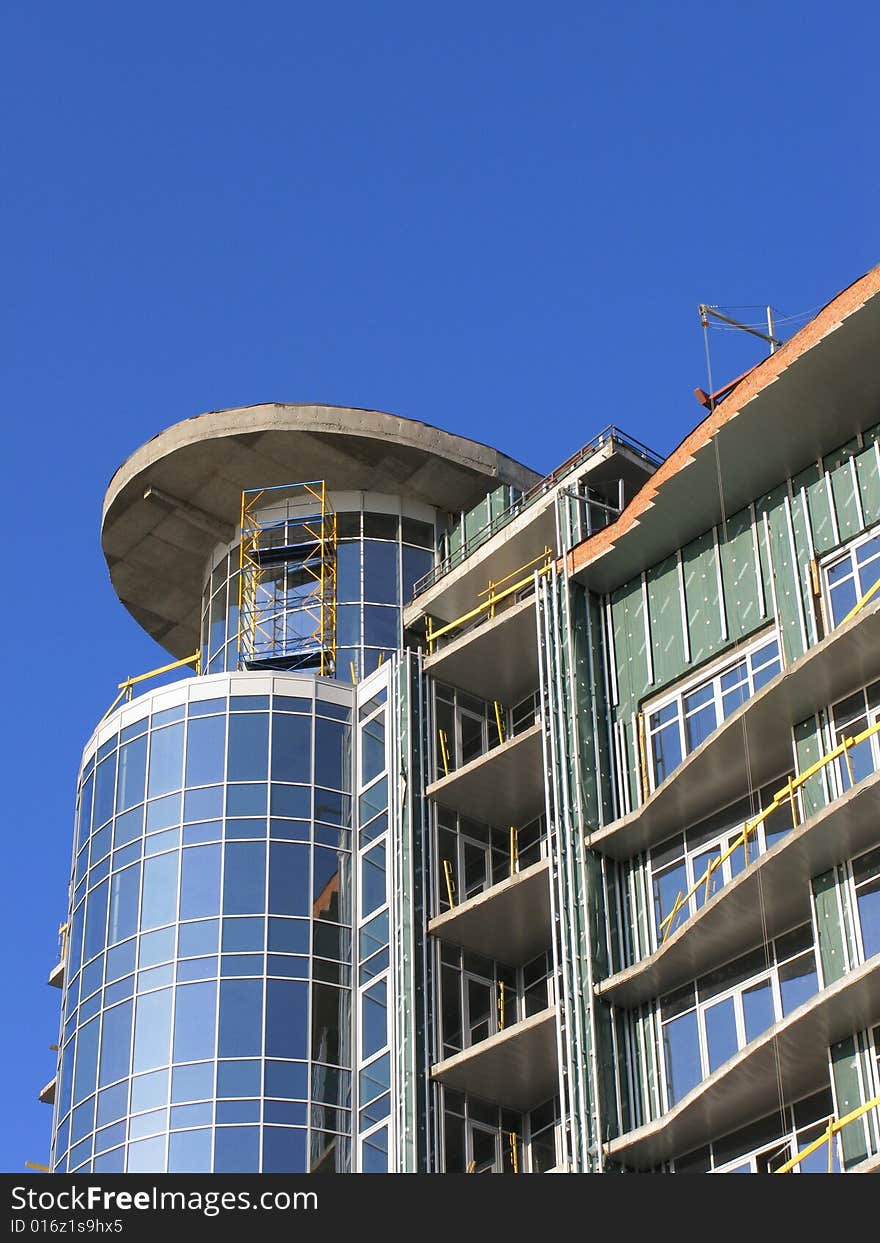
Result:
x=287 y=578
x=541 y=564
x=126 y=688
x=780 y=798
x=835 y=1125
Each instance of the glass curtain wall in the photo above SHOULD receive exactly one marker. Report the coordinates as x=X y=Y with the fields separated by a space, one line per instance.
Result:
x=207 y=1003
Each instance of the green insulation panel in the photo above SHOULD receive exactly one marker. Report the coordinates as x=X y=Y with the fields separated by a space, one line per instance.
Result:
x=844 y=487
x=810 y=748
x=868 y=474
x=829 y=923
x=743 y=593
x=665 y=616
x=700 y=571
x=845 y=1067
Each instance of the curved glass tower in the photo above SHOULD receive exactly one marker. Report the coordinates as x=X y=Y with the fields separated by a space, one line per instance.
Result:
x=238 y=961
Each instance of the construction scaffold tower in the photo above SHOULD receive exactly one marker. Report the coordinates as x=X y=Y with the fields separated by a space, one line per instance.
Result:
x=287 y=579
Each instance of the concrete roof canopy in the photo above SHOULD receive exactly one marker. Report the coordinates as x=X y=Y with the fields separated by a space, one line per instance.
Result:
x=179 y=495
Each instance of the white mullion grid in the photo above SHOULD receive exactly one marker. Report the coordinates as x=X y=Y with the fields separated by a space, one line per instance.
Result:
x=685 y=635
x=722 y=616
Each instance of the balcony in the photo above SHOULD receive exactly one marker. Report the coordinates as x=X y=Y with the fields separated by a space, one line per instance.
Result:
x=56 y=975
x=503 y=786
x=509 y=922
x=791 y=1057
x=731 y=921
x=47 y=1094
x=754 y=744
x=497 y=659
x=516 y=1068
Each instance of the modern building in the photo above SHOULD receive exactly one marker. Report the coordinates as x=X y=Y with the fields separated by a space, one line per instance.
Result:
x=509 y=823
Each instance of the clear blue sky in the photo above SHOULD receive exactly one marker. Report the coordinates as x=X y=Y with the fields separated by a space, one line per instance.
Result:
x=495 y=217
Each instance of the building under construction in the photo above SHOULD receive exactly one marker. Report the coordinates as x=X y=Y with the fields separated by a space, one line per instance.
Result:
x=509 y=824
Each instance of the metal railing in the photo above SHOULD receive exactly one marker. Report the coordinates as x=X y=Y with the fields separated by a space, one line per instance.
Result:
x=534 y=493
x=780 y=798
x=542 y=564
x=834 y=1127
x=126 y=688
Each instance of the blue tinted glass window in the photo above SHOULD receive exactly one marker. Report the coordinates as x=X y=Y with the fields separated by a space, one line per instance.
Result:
x=132 y=774
x=85 y=811
x=288 y=879
x=86 y=1060
x=156 y=947
x=124 y=894
x=416 y=564
x=112 y=1103
x=380 y=572
x=152 y=1031
x=192 y=1083
x=105 y=789
x=205 y=746
x=286 y=1018
x=166 y=760
x=330 y=1021
x=128 y=827
x=194 y=1021
x=96 y=921
x=236 y=1150
x=720 y=1033
x=374 y=1016
x=244 y=878
x=203 y=804
x=284 y=1150
x=241 y=1018
x=332 y=751
x=240 y=1078
x=242 y=935
x=348 y=571
x=246 y=800
x=381 y=627
x=147 y=1156
x=248 y=747
x=291 y=748
x=681 y=1048
x=120 y=961
x=159 y=902
x=149 y=1091
x=115 y=1043
x=289 y=936
x=757 y=1009
x=200 y=938
x=287 y=1079
x=372 y=880
x=189 y=1152
x=200 y=882
x=798 y=982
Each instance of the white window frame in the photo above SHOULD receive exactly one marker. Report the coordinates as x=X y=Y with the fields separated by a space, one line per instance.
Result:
x=710 y=674
x=847 y=552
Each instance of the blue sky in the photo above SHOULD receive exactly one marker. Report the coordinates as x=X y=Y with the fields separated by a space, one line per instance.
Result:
x=495 y=217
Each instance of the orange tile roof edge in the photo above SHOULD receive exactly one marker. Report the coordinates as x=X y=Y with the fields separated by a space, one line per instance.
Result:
x=830 y=317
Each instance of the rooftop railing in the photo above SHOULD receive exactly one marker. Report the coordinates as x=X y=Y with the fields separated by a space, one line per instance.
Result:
x=537 y=490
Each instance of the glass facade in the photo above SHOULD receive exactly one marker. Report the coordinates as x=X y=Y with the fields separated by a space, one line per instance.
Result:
x=207 y=1003
x=384 y=546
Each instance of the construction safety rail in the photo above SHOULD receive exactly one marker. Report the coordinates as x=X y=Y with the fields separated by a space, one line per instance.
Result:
x=834 y=1127
x=126 y=688
x=543 y=562
x=537 y=490
x=780 y=798
x=786 y=794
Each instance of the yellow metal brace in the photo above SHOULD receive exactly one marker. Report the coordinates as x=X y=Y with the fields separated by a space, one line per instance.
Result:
x=444 y=751
x=786 y=794
x=450 y=884
x=545 y=564
x=35 y=1165
x=126 y=688
x=501 y=993
x=834 y=1127
x=498 y=722
x=514 y=850
x=514 y=1151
